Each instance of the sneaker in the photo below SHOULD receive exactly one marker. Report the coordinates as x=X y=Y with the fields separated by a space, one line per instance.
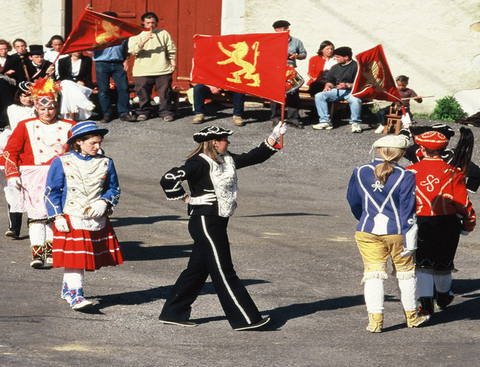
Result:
x=238 y=121
x=257 y=325
x=379 y=129
x=11 y=234
x=198 y=119
x=168 y=118
x=78 y=301
x=178 y=323
x=323 y=126
x=356 y=128
x=128 y=118
x=106 y=119
x=415 y=319
x=142 y=117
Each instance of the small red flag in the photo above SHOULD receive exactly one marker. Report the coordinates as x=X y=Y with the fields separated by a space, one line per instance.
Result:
x=374 y=79
x=249 y=63
x=95 y=31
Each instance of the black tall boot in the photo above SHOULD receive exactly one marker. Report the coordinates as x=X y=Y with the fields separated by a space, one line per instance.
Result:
x=426 y=305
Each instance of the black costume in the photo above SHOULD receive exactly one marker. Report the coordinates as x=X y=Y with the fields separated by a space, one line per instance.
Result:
x=208 y=228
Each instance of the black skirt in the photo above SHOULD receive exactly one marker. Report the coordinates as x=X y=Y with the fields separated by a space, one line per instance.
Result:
x=437 y=241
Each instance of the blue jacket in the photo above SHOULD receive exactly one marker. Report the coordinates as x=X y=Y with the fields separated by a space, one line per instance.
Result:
x=384 y=209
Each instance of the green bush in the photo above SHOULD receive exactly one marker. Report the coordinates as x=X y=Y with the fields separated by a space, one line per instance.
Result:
x=448 y=109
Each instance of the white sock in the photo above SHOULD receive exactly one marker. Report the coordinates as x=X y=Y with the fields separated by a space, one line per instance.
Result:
x=408 y=293
x=424 y=283
x=374 y=295
x=73 y=278
x=443 y=282
x=36 y=232
x=49 y=232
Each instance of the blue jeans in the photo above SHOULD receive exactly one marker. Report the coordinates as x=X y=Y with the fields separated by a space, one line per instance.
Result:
x=200 y=92
x=105 y=71
x=323 y=98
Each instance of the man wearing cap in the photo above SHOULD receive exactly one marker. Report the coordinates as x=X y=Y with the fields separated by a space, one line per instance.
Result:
x=296 y=51
x=155 y=63
x=444 y=212
x=38 y=67
x=30 y=150
x=339 y=85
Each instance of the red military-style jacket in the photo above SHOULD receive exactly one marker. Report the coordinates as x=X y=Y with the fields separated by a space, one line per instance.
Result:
x=441 y=190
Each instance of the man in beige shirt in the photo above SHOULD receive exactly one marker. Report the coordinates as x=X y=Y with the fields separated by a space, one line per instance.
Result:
x=155 y=64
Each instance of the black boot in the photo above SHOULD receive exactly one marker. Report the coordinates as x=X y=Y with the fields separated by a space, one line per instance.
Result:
x=426 y=305
x=444 y=299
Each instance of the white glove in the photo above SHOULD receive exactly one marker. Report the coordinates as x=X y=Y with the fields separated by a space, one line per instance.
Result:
x=15 y=182
x=206 y=199
x=464 y=233
x=406 y=253
x=278 y=131
x=61 y=224
x=98 y=209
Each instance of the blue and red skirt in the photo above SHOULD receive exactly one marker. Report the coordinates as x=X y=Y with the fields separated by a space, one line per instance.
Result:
x=88 y=250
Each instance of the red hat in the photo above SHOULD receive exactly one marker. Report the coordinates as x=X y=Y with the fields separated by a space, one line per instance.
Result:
x=432 y=140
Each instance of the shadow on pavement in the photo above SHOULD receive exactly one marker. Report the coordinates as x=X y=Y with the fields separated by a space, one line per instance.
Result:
x=133 y=251
x=284 y=215
x=129 y=221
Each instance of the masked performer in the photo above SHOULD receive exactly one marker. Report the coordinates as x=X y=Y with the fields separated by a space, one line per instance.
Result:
x=28 y=154
x=444 y=212
x=82 y=188
x=211 y=174
x=381 y=195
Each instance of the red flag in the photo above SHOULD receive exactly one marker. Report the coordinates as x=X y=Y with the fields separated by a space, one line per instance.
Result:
x=249 y=63
x=374 y=79
x=95 y=31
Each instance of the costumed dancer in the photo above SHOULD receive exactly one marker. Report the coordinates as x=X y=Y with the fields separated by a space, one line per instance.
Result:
x=444 y=213
x=82 y=189
x=211 y=174
x=28 y=154
x=381 y=195
x=21 y=109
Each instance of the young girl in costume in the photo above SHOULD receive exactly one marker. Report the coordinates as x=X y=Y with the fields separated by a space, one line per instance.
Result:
x=381 y=195
x=82 y=188
x=211 y=174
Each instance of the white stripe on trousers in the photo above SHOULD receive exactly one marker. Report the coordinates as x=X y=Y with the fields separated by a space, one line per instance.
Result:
x=217 y=260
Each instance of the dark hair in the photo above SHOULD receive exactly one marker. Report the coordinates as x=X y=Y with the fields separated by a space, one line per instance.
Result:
x=402 y=78
x=16 y=97
x=149 y=15
x=77 y=148
x=323 y=45
x=463 y=150
x=4 y=42
x=19 y=40
x=55 y=37
x=111 y=13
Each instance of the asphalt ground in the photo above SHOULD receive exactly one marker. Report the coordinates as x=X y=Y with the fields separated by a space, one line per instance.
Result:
x=292 y=244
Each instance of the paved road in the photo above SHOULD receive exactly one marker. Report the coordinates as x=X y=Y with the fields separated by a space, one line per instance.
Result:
x=292 y=243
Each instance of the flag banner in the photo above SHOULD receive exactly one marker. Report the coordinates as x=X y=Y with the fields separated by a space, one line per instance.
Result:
x=253 y=63
x=95 y=31
x=374 y=79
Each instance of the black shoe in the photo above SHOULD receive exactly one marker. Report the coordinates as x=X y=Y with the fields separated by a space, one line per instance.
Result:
x=128 y=118
x=296 y=125
x=444 y=299
x=257 y=325
x=178 y=323
x=106 y=119
x=426 y=306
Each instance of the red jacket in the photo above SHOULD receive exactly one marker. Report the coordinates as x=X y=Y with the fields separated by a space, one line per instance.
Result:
x=441 y=190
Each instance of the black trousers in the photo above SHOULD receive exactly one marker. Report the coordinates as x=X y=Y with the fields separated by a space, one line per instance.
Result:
x=15 y=221
x=210 y=256
x=292 y=106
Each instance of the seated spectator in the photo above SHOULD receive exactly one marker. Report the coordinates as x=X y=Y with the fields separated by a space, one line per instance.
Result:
x=20 y=60
x=405 y=94
x=339 y=85
x=37 y=66
x=201 y=91
x=22 y=107
x=6 y=61
x=318 y=66
x=75 y=73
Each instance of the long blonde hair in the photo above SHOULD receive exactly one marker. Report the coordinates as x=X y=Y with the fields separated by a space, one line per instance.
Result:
x=207 y=148
x=385 y=169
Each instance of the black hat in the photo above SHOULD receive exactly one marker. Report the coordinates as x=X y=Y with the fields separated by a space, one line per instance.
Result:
x=35 y=50
x=210 y=133
x=281 y=24
x=24 y=86
x=444 y=129
x=343 y=51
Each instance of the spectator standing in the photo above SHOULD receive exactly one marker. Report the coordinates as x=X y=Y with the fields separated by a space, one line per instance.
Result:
x=112 y=62
x=155 y=64
x=20 y=60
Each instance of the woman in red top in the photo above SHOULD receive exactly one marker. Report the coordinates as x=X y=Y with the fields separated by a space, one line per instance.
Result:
x=444 y=211
x=319 y=65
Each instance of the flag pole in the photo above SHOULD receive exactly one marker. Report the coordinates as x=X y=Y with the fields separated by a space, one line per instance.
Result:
x=282 y=117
